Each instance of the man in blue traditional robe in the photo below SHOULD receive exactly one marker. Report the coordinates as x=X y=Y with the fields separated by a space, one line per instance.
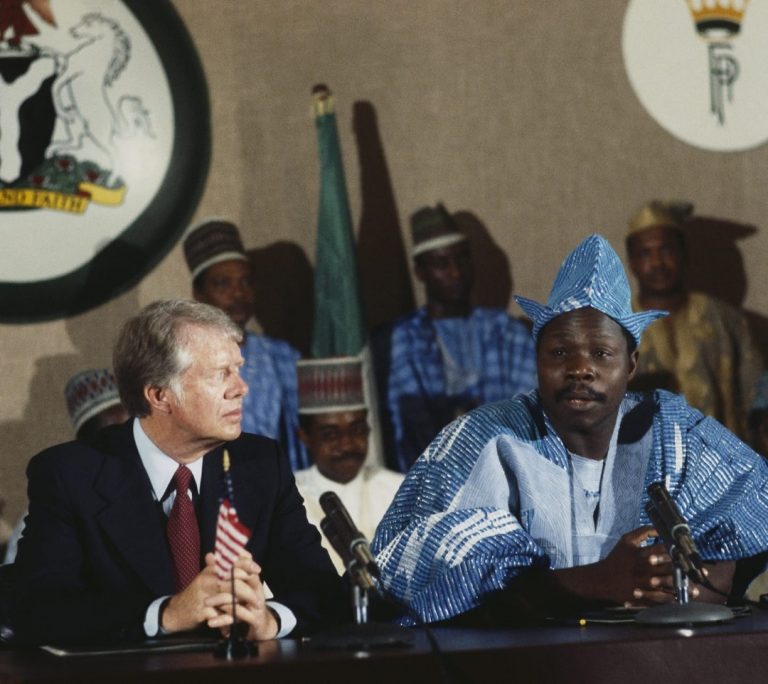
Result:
x=447 y=357
x=536 y=505
x=221 y=276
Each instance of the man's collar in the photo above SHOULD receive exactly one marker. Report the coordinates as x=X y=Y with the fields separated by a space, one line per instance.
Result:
x=159 y=466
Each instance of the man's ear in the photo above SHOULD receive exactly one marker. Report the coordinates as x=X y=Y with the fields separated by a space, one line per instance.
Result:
x=634 y=358
x=301 y=433
x=158 y=398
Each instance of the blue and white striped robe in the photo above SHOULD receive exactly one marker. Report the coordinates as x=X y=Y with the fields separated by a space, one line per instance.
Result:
x=492 y=495
x=415 y=393
x=271 y=407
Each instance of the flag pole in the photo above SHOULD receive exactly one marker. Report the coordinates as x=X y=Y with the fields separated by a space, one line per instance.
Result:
x=234 y=646
x=338 y=327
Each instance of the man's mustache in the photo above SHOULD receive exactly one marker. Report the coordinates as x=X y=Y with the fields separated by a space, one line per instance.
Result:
x=579 y=392
x=239 y=306
x=348 y=456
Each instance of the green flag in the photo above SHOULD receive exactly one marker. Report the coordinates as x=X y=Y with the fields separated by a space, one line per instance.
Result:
x=338 y=324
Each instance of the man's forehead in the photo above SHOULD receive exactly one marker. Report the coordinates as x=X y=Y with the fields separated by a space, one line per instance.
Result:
x=332 y=418
x=654 y=235
x=209 y=365
x=449 y=250
x=227 y=268
x=583 y=321
x=217 y=342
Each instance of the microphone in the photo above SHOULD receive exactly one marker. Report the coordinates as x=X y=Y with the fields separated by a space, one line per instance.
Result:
x=329 y=530
x=344 y=536
x=674 y=531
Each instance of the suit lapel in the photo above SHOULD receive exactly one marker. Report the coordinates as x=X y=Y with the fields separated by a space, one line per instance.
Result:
x=210 y=491
x=130 y=518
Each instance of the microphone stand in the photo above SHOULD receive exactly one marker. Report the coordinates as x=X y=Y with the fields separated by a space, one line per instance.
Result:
x=669 y=523
x=360 y=604
x=363 y=635
x=683 y=611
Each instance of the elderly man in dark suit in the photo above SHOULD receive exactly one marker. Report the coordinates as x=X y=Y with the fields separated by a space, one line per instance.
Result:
x=117 y=535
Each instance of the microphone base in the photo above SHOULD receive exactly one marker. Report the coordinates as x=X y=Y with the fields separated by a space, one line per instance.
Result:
x=368 y=636
x=684 y=614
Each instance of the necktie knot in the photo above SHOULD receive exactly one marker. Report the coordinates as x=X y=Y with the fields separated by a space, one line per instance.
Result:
x=182 y=478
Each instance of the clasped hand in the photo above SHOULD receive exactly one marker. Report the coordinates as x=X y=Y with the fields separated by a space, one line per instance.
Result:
x=209 y=600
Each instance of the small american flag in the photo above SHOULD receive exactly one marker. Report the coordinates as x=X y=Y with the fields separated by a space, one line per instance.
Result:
x=231 y=534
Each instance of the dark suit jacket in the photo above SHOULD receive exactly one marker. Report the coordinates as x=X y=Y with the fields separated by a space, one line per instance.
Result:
x=94 y=553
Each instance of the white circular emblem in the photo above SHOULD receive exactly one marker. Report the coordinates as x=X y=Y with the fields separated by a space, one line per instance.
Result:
x=699 y=68
x=104 y=148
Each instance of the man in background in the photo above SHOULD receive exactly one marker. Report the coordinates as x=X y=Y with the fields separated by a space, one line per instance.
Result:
x=333 y=415
x=703 y=349
x=221 y=276
x=93 y=403
x=448 y=356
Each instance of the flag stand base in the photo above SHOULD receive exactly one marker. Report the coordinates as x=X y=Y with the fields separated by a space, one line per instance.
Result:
x=235 y=646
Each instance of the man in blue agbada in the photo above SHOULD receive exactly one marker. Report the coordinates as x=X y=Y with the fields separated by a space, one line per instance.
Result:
x=536 y=504
x=448 y=356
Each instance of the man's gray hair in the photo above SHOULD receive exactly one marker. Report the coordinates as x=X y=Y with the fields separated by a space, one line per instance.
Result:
x=151 y=348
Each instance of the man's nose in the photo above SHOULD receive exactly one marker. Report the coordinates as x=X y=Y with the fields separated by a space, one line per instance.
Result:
x=239 y=386
x=346 y=441
x=581 y=369
x=237 y=290
x=454 y=269
x=655 y=259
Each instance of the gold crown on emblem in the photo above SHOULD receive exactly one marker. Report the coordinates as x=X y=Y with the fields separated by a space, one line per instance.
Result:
x=717 y=19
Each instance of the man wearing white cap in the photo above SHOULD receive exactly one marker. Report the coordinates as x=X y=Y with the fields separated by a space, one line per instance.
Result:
x=93 y=402
x=446 y=357
x=537 y=504
x=333 y=415
x=221 y=276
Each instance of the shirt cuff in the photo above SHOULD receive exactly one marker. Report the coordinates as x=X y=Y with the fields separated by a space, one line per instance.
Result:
x=286 y=617
x=152 y=618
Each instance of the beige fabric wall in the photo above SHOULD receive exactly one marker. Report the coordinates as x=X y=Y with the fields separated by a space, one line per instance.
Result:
x=516 y=113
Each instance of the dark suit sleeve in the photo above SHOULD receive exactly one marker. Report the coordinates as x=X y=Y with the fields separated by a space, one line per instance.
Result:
x=296 y=567
x=61 y=596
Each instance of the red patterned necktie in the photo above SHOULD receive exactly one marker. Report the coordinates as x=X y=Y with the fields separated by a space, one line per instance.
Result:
x=183 y=532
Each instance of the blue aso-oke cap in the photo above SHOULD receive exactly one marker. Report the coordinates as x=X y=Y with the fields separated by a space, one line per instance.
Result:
x=592 y=276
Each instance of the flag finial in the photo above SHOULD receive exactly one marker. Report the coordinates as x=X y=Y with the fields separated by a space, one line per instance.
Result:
x=322 y=100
